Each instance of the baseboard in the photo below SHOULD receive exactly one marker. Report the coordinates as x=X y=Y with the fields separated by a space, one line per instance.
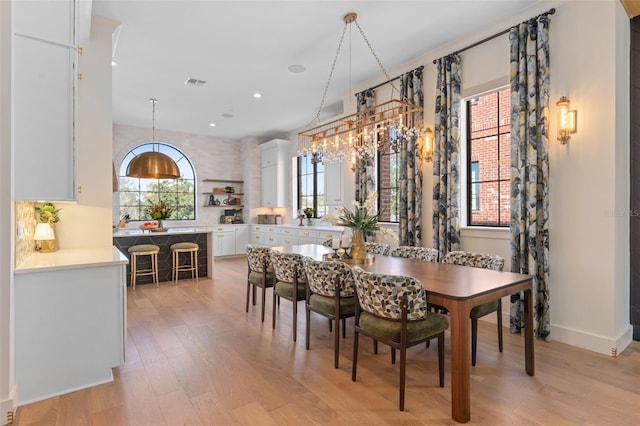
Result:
x=593 y=342
x=8 y=405
x=65 y=391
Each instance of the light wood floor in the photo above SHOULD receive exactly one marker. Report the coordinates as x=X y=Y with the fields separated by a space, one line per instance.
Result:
x=195 y=357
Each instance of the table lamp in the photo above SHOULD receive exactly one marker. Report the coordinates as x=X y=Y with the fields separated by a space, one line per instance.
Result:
x=44 y=237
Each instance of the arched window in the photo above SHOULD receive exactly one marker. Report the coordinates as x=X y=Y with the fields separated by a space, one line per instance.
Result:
x=137 y=195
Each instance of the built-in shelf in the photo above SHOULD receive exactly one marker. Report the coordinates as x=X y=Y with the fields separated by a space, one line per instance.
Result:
x=223 y=180
x=224 y=193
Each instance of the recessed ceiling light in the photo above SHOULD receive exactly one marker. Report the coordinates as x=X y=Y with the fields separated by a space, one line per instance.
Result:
x=297 y=69
x=194 y=82
x=257 y=95
x=114 y=64
x=227 y=115
x=212 y=124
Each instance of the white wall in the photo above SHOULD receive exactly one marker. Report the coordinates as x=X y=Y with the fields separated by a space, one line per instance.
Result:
x=7 y=371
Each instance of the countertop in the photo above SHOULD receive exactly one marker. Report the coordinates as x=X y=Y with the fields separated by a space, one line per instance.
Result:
x=72 y=259
x=127 y=232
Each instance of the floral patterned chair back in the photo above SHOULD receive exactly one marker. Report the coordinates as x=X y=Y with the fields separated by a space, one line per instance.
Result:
x=321 y=276
x=380 y=294
x=286 y=265
x=377 y=248
x=256 y=256
x=477 y=260
x=327 y=243
x=425 y=254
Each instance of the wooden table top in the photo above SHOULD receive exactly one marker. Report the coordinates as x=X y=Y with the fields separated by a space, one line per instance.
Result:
x=451 y=281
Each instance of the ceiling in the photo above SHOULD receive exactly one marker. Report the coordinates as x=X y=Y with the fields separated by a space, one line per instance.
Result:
x=242 y=47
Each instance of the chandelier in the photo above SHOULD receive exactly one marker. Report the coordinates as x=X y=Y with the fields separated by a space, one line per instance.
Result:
x=380 y=128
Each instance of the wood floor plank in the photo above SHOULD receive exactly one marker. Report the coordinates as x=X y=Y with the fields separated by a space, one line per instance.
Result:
x=194 y=356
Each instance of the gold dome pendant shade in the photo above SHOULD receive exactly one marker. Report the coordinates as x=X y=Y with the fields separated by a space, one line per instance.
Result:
x=153 y=165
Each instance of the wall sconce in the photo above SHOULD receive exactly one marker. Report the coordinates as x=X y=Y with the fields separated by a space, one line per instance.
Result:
x=566 y=120
x=44 y=237
x=428 y=144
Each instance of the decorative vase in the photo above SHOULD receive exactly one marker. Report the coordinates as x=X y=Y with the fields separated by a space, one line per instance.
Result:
x=309 y=221
x=160 y=224
x=358 y=248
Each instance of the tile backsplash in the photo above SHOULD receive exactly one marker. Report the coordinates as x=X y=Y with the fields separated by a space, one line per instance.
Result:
x=25 y=227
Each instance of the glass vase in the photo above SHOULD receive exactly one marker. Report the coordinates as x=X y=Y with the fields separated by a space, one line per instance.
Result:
x=358 y=248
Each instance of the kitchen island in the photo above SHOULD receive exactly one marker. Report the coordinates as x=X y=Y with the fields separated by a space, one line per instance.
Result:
x=123 y=238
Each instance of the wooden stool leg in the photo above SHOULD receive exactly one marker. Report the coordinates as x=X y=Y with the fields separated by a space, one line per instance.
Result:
x=133 y=272
x=154 y=262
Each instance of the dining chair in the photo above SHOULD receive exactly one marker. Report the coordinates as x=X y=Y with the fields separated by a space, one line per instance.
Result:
x=425 y=254
x=486 y=261
x=290 y=282
x=259 y=273
x=377 y=248
x=330 y=292
x=393 y=310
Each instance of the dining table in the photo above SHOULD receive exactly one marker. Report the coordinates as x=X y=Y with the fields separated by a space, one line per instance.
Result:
x=458 y=289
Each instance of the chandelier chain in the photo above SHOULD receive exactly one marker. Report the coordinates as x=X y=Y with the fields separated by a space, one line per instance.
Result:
x=333 y=66
x=373 y=52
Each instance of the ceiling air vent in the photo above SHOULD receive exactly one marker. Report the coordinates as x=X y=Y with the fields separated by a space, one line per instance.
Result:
x=194 y=82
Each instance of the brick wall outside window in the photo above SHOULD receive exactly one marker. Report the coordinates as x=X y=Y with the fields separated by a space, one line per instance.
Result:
x=489 y=127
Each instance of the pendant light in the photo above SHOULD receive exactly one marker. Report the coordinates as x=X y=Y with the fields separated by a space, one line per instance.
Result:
x=153 y=165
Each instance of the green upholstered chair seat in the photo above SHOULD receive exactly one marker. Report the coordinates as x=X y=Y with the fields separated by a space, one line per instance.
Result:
x=285 y=289
x=484 y=309
x=327 y=305
x=416 y=330
x=140 y=248
x=256 y=278
x=183 y=246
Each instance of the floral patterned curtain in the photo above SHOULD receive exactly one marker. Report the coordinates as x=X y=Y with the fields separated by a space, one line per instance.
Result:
x=410 y=200
x=530 y=168
x=365 y=168
x=446 y=157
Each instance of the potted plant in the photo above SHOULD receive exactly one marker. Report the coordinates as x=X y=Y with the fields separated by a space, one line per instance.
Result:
x=309 y=213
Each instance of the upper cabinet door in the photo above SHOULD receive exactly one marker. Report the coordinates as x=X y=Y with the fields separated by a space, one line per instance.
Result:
x=274 y=161
x=45 y=91
x=52 y=20
x=334 y=184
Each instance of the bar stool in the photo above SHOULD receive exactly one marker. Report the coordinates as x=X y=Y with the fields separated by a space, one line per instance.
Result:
x=151 y=250
x=176 y=249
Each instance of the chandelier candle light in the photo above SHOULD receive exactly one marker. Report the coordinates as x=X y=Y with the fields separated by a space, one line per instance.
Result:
x=358 y=136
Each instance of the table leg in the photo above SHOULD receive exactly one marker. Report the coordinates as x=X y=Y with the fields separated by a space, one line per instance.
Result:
x=460 y=363
x=528 y=333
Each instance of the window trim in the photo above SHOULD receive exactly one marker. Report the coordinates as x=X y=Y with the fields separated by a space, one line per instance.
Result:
x=315 y=186
x=379 y=180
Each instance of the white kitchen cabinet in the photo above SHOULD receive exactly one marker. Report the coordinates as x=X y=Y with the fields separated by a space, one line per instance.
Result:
x=285 y=235
x=70 y=324
x=224 y=241
x=334 y=184
x=242 y=238
x=45 y=68
x=230 y=240
x=274 y=167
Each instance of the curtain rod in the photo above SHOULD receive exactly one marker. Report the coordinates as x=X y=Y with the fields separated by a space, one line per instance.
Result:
x=389 y=81
x=491 y=37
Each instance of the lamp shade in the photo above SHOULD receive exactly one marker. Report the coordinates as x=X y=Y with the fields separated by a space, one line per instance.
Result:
x=153 y=165
x=44 y=232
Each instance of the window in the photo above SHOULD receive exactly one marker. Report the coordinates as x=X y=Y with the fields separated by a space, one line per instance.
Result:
x=475 y=186
x=388 y=186
x=311 y=185
x=488 y=159
x=137 y=194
